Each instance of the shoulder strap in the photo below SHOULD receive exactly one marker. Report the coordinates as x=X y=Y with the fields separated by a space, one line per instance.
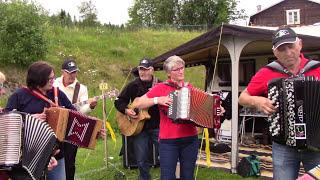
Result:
x=56 y=96
x=155 y=80
x=275 y=66
x=76 y=93
x=171 y=84
x=41 y=96
x=312 y=64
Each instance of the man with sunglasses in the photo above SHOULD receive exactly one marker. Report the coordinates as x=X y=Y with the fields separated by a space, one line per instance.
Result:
x=150 y=132
x=75 y=92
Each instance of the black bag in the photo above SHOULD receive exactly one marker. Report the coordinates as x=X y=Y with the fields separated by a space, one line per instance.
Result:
x=249 y=166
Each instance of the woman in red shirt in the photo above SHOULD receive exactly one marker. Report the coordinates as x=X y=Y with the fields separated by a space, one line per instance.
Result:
x=177 y=142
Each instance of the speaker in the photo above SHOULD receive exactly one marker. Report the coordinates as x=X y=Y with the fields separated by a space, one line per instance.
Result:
x=128 y=155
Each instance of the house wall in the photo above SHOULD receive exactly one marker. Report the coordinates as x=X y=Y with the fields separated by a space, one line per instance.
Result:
x=276 y=15
x=260 y=61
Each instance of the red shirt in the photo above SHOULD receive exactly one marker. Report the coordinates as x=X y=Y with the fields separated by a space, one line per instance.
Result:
x=259 y=82
x=168 y=129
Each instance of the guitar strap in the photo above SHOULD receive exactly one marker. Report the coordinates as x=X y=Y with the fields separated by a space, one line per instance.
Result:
x=155 y=80
x=76 y=93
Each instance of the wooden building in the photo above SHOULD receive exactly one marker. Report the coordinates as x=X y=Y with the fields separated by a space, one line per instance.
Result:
x=288 y=12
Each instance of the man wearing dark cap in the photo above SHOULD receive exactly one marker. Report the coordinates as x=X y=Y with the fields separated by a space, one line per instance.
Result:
x=290 y=61
x=150 y=132
x=75 y=92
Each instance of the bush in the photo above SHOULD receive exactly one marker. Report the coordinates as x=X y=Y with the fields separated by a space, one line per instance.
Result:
x=22 y=38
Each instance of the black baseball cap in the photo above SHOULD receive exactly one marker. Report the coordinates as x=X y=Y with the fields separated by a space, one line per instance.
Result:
x=69 y=65
x=145 y=63
x=283 y=36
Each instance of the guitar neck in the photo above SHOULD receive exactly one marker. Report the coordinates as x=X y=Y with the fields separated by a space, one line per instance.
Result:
x=96 y=98
x=110 y=94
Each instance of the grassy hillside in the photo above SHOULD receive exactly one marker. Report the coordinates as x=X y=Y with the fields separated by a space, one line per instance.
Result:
x=107 y=55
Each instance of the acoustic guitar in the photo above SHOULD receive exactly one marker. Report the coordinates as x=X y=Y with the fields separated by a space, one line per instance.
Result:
x=129 y=126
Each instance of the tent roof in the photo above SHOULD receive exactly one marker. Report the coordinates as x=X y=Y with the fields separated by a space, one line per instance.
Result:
x=198 y=50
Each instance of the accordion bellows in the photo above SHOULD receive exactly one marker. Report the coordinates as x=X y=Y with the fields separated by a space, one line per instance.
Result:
x=74 y=127
x=196 y=106
x=26 y=144
x=297 y=119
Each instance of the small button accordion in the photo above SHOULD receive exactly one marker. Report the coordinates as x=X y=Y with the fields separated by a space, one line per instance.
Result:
x=297 y=119
x=74 y=127
x=192 y=105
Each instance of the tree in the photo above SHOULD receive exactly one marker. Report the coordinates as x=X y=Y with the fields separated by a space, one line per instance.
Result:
x=88 y=13
x=62 y=18
x=183 y=12
x=22 y=39
x=142 y=13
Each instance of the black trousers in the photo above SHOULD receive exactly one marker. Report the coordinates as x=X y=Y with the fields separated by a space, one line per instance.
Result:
x=70 y=153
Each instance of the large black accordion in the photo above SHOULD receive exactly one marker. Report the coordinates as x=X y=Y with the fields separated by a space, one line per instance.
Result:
x=26 y=144
x=297 y=119
x=195 y=106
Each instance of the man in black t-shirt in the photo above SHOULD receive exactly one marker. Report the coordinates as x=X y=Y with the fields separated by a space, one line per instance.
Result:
x=150 y=131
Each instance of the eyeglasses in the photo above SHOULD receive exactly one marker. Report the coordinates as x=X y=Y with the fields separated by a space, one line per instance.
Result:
x=52 y=78
x=178 y=69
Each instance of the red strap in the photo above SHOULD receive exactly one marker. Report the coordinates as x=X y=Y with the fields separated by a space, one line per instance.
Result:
x=55 y=94
x=41 y=96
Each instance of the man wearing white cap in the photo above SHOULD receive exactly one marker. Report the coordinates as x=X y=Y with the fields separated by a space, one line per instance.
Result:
x=75 y=92
x=290 y=63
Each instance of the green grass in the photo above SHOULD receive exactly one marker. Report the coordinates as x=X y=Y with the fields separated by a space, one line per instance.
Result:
x=90 y=165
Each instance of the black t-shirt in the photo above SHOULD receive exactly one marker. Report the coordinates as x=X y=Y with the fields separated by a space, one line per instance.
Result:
x=138 y=88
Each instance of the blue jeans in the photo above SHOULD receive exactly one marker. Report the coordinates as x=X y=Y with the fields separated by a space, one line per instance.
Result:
x=141 y=149
x=183 y=149
x=286 y=161
x=58 y=173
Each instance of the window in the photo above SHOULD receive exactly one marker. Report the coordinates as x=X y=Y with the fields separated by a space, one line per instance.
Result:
x=293 y=16
x=246 y=71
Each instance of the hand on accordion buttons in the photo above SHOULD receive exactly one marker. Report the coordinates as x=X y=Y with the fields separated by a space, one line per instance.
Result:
x=40 y=116
x=165 y=100
x=264 y=104
x=52 y=164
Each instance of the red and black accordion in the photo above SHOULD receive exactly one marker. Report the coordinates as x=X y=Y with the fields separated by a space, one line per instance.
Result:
x=74 y=127
x=195 y=106
x=297 y=119
x=26 y=144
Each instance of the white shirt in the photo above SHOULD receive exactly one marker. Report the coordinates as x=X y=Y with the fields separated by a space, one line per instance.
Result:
x=69 y=91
